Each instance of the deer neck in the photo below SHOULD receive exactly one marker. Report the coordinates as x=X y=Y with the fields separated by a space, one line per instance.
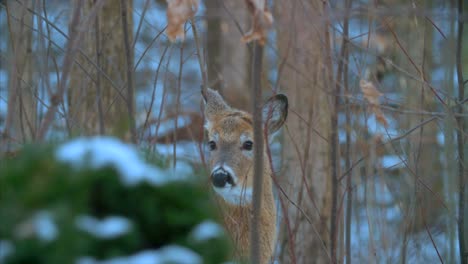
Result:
x=267 y=204
x=237 y=221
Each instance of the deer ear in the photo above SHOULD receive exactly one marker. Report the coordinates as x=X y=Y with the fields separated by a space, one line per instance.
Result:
x=275 y=112
x=214 y=104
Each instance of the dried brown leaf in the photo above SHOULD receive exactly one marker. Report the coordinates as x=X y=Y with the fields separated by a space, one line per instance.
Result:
x=372 y=95
x=370 y=92
x=379 y=116
x=262 y=20
x=381 y=43
x=178 y=12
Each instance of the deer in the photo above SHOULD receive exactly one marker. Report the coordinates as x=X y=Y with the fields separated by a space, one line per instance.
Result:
x=231 y=162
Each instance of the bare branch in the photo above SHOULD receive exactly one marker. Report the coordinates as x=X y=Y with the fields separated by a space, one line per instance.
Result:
x=70 y=53
x=204 y=75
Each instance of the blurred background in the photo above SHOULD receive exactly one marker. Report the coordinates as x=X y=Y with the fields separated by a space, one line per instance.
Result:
x=371 y=165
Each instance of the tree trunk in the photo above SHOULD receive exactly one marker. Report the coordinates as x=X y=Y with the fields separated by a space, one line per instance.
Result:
x=228 y=61
x=415 y=35
x=98 y=97
x=22 y=90
x=307 y=175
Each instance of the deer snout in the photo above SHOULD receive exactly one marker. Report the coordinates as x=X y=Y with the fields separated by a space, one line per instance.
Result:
x=221 y=177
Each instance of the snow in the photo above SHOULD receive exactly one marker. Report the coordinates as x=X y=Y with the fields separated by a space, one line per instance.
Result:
x=154 y=17
x=207 y=230
x=3 y=107
x=392 y=161
x=187 y=150
x=370 y=122
x=3 y=79
x=441 y=138
x=3 y=92
x=40 y=225
x=168 y=126
x=181 y=168
x=107 y=228
x=374 y=127
x=98 y=152
x=168 y=254
x=144 y=99
x=45 y=227
x=6 y=248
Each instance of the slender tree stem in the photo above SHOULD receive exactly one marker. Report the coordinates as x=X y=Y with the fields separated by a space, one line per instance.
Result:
x=258 y=153
x=349 y=200
x=129 y=63
x=71 y=50
x=102 y=130
x=334 y=153
x=177 y=104
x=200 y=60
x=460 y=141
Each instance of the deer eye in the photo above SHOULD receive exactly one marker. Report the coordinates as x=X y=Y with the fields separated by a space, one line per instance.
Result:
x=247 y=145
x=212 y=145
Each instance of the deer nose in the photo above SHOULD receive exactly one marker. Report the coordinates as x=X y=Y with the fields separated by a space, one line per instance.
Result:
x=220 y=177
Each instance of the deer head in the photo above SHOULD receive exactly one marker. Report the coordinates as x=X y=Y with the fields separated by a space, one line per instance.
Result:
x=230 y=142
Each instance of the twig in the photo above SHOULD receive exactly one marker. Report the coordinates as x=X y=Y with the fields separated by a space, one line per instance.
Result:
x=413 y=63
x=307 y=218
x=288 y=49
x=71 y=50
x=94 y=11
x=153 y=94
x=13 y=91
x=148 y=47
x=137 y=34
x=304 y=184
x=200 y=60
x=177 y=104
x=163 y=98
x=387 y=142
x=204 y=75
x=282 y=204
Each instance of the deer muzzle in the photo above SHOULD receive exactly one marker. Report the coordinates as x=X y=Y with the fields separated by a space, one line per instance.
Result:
x=220 y=177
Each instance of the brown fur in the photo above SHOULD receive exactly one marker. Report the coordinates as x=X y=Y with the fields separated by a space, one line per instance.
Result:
x=237 y=223
x=227 y=126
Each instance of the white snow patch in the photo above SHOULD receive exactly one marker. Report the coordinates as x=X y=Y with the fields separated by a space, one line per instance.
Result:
x=392 y=161
x=45 y=227
x=167 y=254
x=3 y=92
x=207 y=230
x=3 y=79
x=182 y=169
x=40 y=225
x=3 y=107
x=144 y=100
x=98 y=152
x=441 y=138
x=374 y=127
x=6 y=249
x=168 y=126
x=108 y=228
x=186 y=150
